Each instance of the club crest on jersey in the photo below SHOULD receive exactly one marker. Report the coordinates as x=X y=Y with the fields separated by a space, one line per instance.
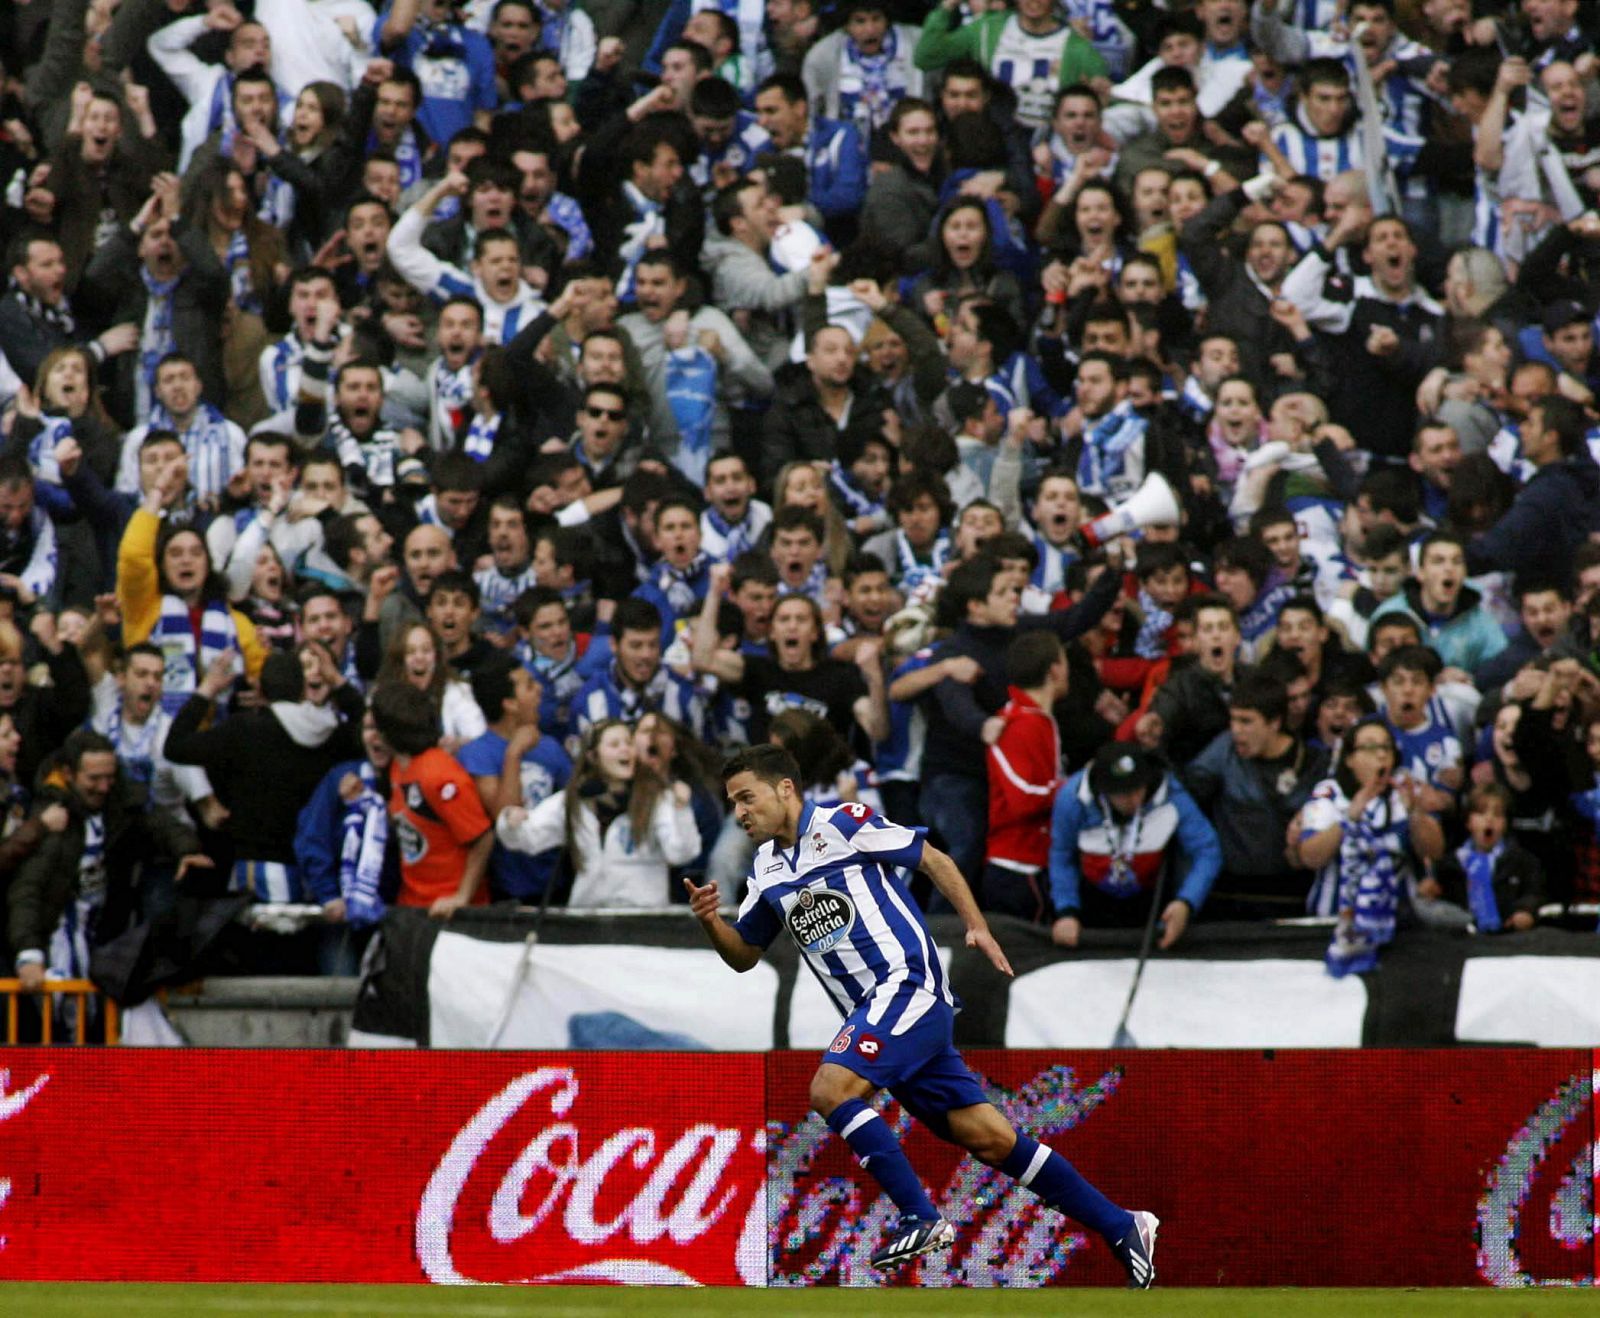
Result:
x=819 y=920
x=819 y=842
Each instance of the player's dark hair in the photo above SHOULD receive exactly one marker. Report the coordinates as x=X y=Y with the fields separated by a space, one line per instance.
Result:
x=969 y=584
x=1244 y=554
x=770 y=764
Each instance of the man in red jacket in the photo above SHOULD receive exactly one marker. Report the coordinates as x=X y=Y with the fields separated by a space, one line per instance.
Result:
x=1024 y=772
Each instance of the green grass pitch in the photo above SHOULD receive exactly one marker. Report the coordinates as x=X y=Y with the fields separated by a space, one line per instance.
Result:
x=81 y=1300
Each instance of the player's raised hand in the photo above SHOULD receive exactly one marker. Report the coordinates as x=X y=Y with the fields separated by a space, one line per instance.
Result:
x=703 y=901
x=983 y=940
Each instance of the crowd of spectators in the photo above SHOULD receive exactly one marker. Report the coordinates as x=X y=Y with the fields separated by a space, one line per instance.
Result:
x=432 y=433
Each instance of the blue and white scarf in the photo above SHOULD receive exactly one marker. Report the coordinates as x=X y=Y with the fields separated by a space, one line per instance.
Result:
x=1102 y=468
x=1050 y=575
x=1369 y=886
x=814 y=585
x=869 y=85
x=481 y=435
x=1479 y=868
x=363 y=837
x=498 y=592
x=737 y=537
x=136 y=748
x=684 y=586
x=378 y=456
x=856 y=501
x=691 y=380
x=1194 y=402
x=158 y=338
x=174 y=637
x=237 y=263
x=911 y=572
x=1151 y=642
x=208 y=442
x=650 y=221
x=42 y=447
x=407 y=154
x=452 y=400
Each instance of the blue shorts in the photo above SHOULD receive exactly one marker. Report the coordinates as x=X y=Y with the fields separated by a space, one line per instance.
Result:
x=921 y=1067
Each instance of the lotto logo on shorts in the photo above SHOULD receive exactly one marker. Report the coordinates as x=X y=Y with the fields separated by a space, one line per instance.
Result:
x=867 y=1046
x=841 y=1043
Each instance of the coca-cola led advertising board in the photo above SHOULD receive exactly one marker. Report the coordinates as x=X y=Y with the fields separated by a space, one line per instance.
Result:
x=1306 y=1168
x=133 y=1165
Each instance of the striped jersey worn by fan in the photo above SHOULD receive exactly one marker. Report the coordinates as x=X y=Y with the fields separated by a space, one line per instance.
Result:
x=859 y=929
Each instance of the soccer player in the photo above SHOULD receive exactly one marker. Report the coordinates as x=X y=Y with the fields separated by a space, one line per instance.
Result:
x=828 y=876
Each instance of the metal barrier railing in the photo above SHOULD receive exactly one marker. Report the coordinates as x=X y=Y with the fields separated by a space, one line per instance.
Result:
x=81 y=991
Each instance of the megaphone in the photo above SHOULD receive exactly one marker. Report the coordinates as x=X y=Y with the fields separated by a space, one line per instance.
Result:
x=1152 y=504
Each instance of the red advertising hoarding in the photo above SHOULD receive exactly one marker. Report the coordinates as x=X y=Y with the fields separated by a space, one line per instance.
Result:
x=1307 y=1168
x=133 y=1165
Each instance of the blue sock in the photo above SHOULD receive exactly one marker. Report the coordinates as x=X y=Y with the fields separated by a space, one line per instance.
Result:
x=1040 y=1168
x=877 y=1149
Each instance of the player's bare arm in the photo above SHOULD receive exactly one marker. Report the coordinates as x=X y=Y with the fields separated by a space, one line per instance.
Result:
x=947 y=879
x=730 y=947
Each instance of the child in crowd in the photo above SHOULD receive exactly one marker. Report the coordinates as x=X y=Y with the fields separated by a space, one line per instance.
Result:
x=1497 y=884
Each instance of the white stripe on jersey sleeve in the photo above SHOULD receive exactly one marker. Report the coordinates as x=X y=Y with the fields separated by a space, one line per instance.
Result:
x=879 y=834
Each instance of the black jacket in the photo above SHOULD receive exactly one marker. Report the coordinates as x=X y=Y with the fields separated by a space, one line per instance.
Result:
x=45 y=715
x=798 y=427
x=1551 y=516
x=47 y=881
x=197 y=309
x=259 y=771
x=1236 y=305
x=1518 y=881
x=1193 y=706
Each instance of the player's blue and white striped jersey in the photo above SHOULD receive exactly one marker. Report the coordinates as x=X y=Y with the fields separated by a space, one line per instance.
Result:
x=859 y=929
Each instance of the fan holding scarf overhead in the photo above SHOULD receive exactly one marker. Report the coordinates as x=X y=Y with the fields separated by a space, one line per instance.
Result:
x=170 y=596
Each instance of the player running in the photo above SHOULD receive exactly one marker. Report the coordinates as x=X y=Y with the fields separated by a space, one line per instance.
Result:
x=828 y=875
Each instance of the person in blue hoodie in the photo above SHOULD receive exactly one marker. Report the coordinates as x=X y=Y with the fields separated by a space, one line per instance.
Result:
x=347 y=857
x=836 y=165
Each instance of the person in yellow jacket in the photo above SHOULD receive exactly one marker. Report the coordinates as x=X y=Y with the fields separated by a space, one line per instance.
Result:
x=171 y=597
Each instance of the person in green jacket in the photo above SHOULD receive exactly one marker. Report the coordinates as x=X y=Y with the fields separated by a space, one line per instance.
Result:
x=1034 y=50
